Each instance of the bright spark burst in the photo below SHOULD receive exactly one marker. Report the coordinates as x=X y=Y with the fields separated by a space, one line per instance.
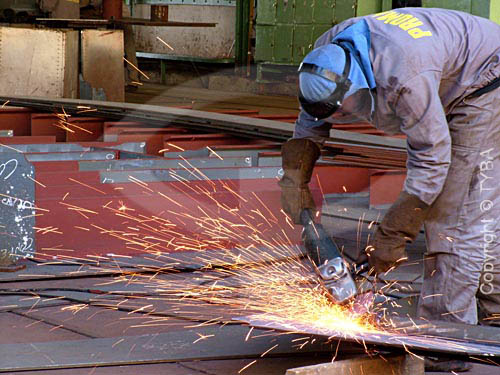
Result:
x=247 y=263
x=251 y=268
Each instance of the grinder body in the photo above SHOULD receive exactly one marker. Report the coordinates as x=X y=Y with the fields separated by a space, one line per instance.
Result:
x=330 y=264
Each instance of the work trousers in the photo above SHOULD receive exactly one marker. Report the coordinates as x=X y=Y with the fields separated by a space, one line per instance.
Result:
x=462 y=263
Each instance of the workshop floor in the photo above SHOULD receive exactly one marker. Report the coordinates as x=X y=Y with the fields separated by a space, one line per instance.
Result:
x=70 y=325
x=62 y=321
x=56 y=317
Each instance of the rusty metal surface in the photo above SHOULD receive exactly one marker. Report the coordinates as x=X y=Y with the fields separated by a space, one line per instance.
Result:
x=214 y=42
x=102 y=61
x=385 y=187
x=112 y=9
x=163 y=116
x=16 y=119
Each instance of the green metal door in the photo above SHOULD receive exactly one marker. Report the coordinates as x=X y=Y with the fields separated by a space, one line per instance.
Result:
x=304 y=11
x=302 y=42
x=265 y=43
x=285 y=11
x=284 y=45
x=462 y=5
x=287 y=29
x=345 y=9
x=266 y=12
x=323 y=12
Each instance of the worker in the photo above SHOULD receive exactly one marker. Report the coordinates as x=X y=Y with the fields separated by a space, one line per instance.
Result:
x=432 y=75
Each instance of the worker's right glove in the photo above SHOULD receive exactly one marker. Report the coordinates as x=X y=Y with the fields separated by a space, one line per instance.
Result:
x=401 y=224
x=298 y=158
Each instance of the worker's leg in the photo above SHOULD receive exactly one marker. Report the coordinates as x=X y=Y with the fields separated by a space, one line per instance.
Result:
x=488 y=295
x=455 y=229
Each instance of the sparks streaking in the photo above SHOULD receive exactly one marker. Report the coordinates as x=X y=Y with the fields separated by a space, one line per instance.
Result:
x=250 y=264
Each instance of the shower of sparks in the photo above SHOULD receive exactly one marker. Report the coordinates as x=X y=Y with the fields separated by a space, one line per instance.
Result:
x=242 y=259
x=251 y=264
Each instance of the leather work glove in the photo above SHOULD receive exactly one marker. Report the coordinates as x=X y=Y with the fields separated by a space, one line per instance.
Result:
x=400 y=224
x=298 y=158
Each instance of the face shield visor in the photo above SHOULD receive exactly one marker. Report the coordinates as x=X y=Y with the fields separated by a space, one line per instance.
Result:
x=326 y=107
x=334 y=95
x=357 y=107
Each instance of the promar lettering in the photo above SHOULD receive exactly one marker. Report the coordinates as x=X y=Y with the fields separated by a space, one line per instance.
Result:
x=405 y=21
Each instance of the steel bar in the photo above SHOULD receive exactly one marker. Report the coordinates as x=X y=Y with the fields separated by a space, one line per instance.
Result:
x=199 y=120
x=59 y=156
x=179 y=262
x=138 y=164
x=135 y=147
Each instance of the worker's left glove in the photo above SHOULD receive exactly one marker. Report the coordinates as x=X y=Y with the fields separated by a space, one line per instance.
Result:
x=401 y=224
x=298 y=158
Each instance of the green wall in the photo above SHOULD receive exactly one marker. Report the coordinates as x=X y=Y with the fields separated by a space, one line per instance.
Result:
x=286 y=29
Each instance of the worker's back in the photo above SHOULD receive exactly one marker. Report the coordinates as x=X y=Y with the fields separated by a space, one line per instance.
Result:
x=462 y=51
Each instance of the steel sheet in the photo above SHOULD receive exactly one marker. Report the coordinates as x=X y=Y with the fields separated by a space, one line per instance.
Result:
x=411 y=335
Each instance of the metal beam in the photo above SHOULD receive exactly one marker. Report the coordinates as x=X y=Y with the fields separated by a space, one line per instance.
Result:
x=198 y=120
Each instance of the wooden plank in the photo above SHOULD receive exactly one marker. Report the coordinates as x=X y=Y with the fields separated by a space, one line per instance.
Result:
x=168 y=347
x=395 y=365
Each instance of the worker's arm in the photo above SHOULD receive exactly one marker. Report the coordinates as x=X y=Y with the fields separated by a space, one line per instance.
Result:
x=298 y=158
x=429 y=154
x=428 y=136
x=308 y=126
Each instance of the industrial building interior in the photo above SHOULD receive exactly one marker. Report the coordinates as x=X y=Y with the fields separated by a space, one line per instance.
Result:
x=142 y=225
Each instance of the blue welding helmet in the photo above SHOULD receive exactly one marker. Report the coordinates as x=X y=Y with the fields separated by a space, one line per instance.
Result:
x=327 y=76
